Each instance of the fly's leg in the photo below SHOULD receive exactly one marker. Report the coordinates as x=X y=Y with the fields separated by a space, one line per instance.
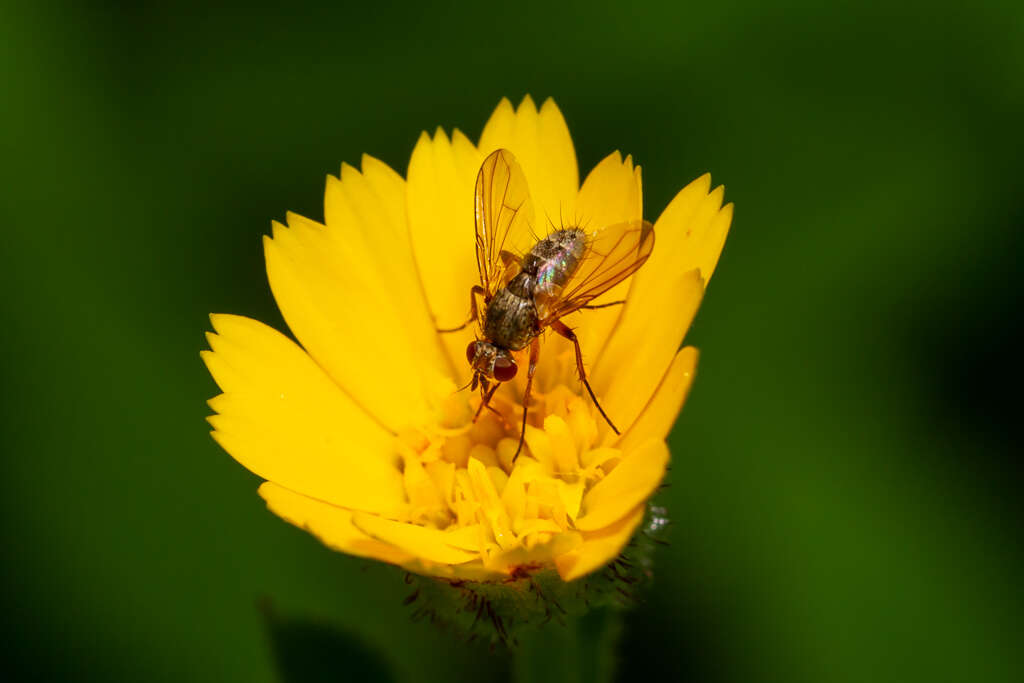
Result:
x=563 y=329
x=534 y=357
x=476 y=290
x=504 y=422
x=607 y=305
x=485 y=401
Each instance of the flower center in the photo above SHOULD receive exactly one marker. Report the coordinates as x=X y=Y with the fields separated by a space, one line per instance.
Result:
x=460 y=475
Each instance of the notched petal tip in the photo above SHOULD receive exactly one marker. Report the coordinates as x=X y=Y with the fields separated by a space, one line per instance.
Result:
x=549 y=106
x=348 y=171
x=216 y=404
x=715 y=196
x=460 y=139
x=296 y=220
x=229 y=323
x=277 y=228
x=526 y=106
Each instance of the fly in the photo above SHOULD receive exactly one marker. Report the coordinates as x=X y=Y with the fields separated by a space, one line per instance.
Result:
x=528 y=285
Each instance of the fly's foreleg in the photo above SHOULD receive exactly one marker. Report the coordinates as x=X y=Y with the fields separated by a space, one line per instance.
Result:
x=564 y=330
x=534 y=357
x=485 y=401
x=504 y=422
x=476 y=291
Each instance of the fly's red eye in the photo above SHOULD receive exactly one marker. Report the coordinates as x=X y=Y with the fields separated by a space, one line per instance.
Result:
x=504 y=369
x=471 y=352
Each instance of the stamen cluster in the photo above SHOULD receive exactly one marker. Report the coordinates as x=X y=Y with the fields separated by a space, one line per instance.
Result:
x=514 y=514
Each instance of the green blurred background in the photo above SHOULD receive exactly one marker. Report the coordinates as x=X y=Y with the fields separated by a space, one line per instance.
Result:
x=845 y=480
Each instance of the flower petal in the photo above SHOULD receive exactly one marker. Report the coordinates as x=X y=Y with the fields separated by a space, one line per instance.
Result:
x=349 y=293
x=541 y=143
x=282 y=418
x=690 y=233
x=663 y=299
x=661 y=412
x=643 y=346
x=631 y=482
x=439 y=197
x=331 y=524
x=425 y=543
x=599 y=547
x=612 y=193
x=369 y=208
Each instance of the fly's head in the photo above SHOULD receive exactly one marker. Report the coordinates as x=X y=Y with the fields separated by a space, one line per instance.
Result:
x=490 y=363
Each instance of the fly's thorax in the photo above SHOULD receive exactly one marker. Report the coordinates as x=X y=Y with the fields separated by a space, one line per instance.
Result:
x=553 y=260
x=511 y=320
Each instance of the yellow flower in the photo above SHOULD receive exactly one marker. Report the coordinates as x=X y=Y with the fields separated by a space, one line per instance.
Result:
x=361 y=432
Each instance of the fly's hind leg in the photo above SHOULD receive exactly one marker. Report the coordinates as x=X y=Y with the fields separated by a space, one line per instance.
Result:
x=534 y=357
x=564 y=330
x=476 y=290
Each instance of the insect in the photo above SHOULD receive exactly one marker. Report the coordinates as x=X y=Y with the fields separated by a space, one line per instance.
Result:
x=528 y=284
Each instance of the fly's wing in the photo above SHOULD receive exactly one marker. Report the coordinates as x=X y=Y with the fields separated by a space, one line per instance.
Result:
x=504 y=217
x=613 y=254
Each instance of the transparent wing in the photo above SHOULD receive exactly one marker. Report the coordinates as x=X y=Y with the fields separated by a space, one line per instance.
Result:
x=613 y=254
x=504 y=218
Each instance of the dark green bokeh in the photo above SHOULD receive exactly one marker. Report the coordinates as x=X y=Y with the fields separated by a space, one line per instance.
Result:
x=844 y=484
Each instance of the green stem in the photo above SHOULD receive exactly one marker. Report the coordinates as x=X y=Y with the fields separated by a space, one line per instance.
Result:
x=582 y=650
